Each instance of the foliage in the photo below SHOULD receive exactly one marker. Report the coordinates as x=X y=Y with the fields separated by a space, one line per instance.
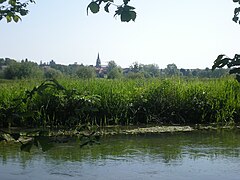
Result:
x=172 y=70
x=13 y=9
x=25 y=69
x=111 y=65
x=135 y=75
x=136 y=67
x=236 y=12
x=52 y=73
x=151 y=70
x=125 y=11
x=86 y=72
x=104 y=102
x=234 y=63
x=115 y=73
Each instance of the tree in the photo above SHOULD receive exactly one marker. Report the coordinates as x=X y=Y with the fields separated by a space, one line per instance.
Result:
x=136 y=67
x=24 y=69
x=15 y=9
x=135 y=75
x=52 y=73
x=151 y=70
x=115 y=73
x=86 y=72
x=172 y=70
x=111 y=65
x=113 y=70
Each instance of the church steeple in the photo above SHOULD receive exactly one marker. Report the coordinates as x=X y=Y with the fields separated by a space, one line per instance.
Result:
x=98 y=62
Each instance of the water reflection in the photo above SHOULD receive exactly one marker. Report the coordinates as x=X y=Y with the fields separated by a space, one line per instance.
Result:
x=170 y=156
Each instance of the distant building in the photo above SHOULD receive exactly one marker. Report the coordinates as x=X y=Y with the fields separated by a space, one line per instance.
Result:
x=98 y=62
x=101 y=70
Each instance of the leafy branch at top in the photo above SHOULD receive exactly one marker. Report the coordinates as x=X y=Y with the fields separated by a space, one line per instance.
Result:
x=236 y=12
x=13 y=9
x=125 y=11
x=234 y=63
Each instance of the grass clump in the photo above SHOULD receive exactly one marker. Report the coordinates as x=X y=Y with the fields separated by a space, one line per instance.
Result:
x=73 y=102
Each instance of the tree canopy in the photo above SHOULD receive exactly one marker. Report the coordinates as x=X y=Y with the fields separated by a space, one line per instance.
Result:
x=13 y=10
x=236 y=12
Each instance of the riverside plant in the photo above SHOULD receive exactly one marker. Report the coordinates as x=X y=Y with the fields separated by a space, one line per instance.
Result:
x=68 y=103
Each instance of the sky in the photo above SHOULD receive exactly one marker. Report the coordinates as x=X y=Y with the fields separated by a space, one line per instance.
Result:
x=189 y=33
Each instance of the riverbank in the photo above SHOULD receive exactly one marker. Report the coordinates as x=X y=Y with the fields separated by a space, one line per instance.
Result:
x=119 y=130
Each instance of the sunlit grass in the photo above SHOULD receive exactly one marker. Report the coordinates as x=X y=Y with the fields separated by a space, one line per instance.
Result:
x=123 y=102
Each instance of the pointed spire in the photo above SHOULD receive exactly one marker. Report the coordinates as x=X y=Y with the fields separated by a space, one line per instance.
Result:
x=98 y=62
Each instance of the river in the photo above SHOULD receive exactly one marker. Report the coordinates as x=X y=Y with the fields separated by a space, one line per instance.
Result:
x=194 y=155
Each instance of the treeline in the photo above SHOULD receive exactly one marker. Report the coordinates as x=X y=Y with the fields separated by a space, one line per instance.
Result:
x=12 y=69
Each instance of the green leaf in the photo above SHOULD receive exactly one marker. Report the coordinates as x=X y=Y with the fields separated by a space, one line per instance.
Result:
x=2 y=1
x=16 y=18
x=106 y=7
x=233 y=63
x=126 y=1
x=126 y=7
x=94 y=7
x=125 y=16
x=234 y=71
x=27 y=147
x=133 y=15
x=9 y=18
x=219 y=57
x=235 y=19
x=23 y=12
x=12 y=2
x=217 y=62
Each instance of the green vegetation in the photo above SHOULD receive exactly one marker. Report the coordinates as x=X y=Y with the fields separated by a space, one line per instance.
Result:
x=15 y=9
x=25 y=69
x=234 y=63
x=73 y=102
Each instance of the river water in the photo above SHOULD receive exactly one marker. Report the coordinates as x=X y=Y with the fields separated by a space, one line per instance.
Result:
x=197 y=155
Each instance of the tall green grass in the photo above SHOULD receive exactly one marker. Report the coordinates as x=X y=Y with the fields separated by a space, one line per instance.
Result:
x=121 y=102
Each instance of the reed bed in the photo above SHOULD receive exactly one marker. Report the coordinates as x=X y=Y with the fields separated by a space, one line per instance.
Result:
x=75 y=102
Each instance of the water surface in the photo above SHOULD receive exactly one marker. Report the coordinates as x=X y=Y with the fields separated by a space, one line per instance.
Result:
x=191 y=155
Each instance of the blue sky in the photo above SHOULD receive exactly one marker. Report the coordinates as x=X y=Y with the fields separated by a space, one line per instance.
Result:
x=189 y=33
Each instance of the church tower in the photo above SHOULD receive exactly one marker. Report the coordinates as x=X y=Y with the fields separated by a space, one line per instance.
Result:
x=98 y=62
